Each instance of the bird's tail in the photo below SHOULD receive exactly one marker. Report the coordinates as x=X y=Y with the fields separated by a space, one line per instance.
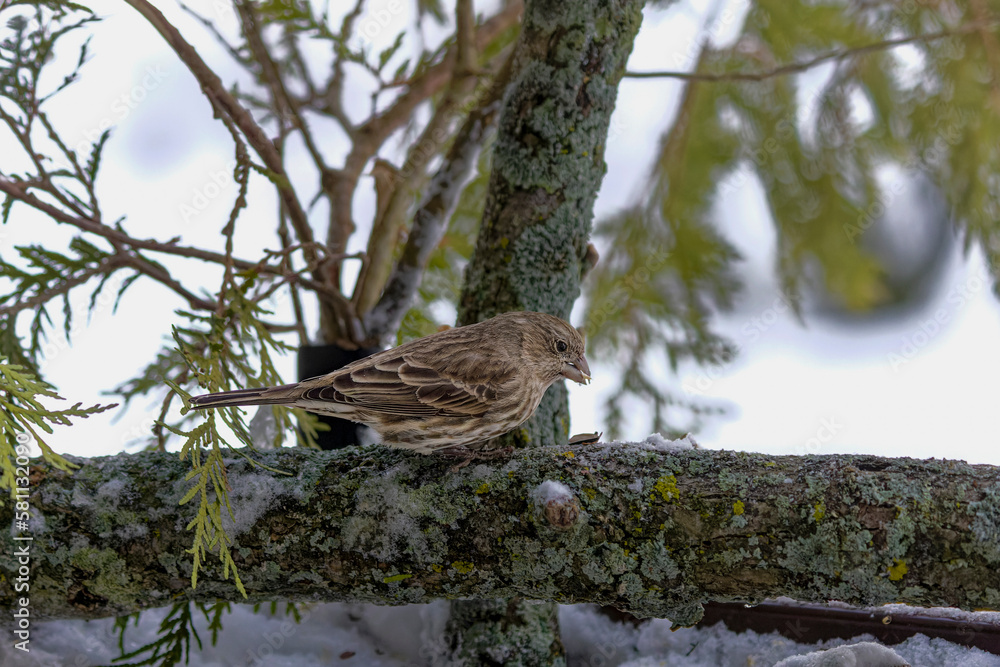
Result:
x=259 y=396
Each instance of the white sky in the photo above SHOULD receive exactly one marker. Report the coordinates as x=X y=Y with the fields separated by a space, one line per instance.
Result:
x=793 y=390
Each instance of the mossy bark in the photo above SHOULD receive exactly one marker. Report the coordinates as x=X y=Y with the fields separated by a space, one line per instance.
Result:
x=650 y=532
x=548 y=163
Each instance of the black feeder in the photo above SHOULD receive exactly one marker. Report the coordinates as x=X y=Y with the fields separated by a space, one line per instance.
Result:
x=322 y=359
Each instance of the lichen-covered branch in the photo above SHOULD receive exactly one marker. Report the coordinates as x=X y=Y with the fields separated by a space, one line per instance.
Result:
x=650 y=531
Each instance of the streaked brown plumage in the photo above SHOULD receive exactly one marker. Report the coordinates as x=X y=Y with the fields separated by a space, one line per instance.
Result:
x=457 y=387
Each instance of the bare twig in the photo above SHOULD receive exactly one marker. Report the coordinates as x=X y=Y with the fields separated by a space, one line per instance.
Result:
x=226 y=104
x=431 y=219
x=285 y=104
x=223 y=42
x=404 y=184
x=795 y=68
x=19 y=191
x=333 y=96
x=373 y=132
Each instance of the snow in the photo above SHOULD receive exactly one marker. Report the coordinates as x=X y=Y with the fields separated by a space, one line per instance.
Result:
x=252 y=494
x=550 y=491
x=657 y=442
x=378 y=636
x=864 y=654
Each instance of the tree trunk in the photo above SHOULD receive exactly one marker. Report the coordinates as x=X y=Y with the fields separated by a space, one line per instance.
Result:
x=548 y=164
x=651 y=532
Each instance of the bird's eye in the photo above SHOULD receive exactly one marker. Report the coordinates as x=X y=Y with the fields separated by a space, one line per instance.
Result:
x=561 y=346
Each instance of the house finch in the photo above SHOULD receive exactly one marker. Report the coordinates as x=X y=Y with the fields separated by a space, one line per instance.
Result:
x=461 y=386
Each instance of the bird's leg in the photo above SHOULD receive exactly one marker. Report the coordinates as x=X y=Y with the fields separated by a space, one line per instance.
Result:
x=467 y=456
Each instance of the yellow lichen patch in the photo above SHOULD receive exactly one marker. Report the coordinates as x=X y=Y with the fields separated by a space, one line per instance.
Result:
x=569 y=455
x=463 y=566
x=819 y=511
x=590 y=493
x=396 y=577
x=436 y=567
x=483 y=488
x=738 y=508
x=897 y=571
x=666 y=486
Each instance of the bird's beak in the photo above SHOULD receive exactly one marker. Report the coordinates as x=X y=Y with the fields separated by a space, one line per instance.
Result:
x=577 y=371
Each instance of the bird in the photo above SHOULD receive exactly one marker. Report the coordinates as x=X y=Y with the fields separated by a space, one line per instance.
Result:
x=456 y=388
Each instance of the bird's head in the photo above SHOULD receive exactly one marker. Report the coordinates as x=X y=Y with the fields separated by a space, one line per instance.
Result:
x=555 y=347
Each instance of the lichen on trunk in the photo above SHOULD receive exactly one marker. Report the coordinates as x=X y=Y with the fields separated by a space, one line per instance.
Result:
x=548 y=163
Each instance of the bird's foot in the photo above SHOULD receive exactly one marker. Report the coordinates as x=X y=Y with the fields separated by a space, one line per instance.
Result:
x=467 y=456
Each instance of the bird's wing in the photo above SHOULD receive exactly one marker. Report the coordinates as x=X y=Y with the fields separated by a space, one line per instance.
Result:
x=412 y=383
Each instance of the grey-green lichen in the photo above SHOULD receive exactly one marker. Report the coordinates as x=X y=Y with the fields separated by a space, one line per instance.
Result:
x=548 y=163
x=393 y=527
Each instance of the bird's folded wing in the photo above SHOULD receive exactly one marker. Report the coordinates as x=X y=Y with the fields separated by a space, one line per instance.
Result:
x=407 y=385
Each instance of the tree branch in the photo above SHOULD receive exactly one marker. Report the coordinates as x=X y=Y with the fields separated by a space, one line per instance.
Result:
x=372 y=133
x=225 y=103
x=795 y=68
x=408 y=180
x=431 y=220
x=653 y=532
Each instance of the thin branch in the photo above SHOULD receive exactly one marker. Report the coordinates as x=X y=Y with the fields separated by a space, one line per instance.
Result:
x=389 y=220
x=373 y=132
x=223 y=102
x=62 y=288
x=44 y=181
x=402 y=185
x=431 y=219
x=286 y=105
x=19 y=191
x=300 y=322
x=333 y=96
x=339 y=185
x=160 y=275
x=795 y=68
x=465 y=47
x=223 y=42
